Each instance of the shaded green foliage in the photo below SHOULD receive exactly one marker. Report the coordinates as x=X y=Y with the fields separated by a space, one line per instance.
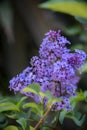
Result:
x=75 y=8
x=26 y=112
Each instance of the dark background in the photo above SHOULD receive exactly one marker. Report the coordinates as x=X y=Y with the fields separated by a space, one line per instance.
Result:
x=22 y=28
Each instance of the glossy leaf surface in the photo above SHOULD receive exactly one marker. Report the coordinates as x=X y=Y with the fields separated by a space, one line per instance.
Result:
x=75 y=8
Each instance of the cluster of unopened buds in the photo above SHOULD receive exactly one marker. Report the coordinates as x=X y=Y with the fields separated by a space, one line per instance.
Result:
x=55 y=69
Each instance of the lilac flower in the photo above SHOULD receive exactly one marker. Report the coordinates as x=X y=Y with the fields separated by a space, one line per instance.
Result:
x=22 y=80
x=65 y=104
x=55 y=69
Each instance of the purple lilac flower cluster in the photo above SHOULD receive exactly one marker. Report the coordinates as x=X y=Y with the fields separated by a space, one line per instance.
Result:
x=55 y=70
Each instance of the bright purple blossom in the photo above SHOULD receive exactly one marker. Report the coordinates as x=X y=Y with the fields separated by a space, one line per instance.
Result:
x=55 y=69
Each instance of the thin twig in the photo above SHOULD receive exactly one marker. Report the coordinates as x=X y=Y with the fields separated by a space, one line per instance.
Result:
x=43 y=118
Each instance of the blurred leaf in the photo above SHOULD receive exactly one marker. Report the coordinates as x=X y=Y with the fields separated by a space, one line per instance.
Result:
x=3 y=121
x=21 y=100
x=56 y=100
x=49 y=103
x=84 y=67
x=46 y=128
x=32 y=105
x=79 y=97
x=73 y=105
x=78 y=115
x=73 y=30
x=3 y=125
x=48 y=95
x=8 y=106
x=2 y=117
x=36 y=108
x=33 y=88
x=22 y=121
x=56 y=117
x=22 y=118
x=27 y=89
x=83 y=37
x=4 y=99
x=31 y=128
x=77 y=46
x=78 y=122
x=81 y=20
x=75 y=8
x=85 y=95
x=12 y=116
x=11 y=127
x=54 y=120
x=24 y=114
x=34 y=118
x=62 y=116
x=42 y=94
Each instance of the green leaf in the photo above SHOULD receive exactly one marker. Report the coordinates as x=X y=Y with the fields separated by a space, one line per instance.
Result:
x=11 y=127
x=31 y=128
x=85 y=95
x=3 y=120
x=81 y=20
x=73 y=105
x=34 y=88
x=46 y=128
x=3 y=125
x=12 y=116
x=49 y=103
x=79 y=97
x=84 y=68
x=29 y=90
x=21 y=100
x=76 y=120
x=83 y=38
x=41 y=94
x=31 y=105
x=2 y=117
x=8 y=106
x=75 y=8
x=22 y=121
x=62 y=116
x=78 y=46
x=73 y=30
x=78 y=115
x=56 y=100
x=24 y=114
x=4 y=100
x=48 y=95
x=34 y=107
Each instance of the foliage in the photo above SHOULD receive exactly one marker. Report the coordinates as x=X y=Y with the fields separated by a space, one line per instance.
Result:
x=76 y=8
x=24 y=112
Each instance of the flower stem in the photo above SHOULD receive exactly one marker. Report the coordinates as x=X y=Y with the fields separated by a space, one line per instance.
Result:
x=43 y=118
